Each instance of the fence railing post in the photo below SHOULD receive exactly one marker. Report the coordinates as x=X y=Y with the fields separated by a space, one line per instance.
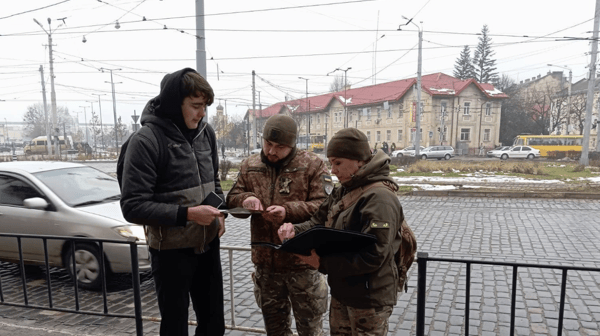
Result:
x=421 y=291
x=137 y=297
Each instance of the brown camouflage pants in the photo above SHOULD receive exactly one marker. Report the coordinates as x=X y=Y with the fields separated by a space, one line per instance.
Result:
x=344 y=320
x=277 y=293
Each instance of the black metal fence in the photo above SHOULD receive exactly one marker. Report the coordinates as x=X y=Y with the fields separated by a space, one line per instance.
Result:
x=423 y=258
x=72 y=241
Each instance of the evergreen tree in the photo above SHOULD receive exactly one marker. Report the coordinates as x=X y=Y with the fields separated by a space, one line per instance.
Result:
x=485 y=65
x=463 y=68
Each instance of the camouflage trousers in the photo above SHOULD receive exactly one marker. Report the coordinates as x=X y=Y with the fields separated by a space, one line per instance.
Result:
x=344 y=320
x=277 y=293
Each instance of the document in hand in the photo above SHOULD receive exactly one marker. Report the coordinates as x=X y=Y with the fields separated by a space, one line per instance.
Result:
x=325 y=241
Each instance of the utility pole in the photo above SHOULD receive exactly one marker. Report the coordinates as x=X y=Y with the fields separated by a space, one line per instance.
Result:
x=87 y=136
x=200 y=43
x=100 y=113
x=52 y=91
x=419 y=112
x=584 y=159
x=254 y=137
x=112 y=84
x=48 y=142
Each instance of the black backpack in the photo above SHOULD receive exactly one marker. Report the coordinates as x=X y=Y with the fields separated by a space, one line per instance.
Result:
x=162 y=152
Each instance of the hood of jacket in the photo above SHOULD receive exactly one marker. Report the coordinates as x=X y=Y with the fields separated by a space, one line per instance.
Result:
x=376 y=169
x=165 y=108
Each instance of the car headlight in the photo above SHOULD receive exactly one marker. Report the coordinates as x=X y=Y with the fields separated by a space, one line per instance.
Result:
x=131 y=231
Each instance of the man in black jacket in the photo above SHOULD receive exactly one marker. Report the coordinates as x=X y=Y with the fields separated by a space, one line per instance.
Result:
x=165 y=196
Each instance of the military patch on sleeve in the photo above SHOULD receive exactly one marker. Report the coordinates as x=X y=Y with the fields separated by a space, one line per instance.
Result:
x=327 y=184
x=380 y=225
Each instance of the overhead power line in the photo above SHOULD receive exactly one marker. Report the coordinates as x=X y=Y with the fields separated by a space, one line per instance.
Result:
x=33 y=10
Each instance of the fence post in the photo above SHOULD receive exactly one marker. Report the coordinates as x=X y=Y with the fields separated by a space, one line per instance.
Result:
x=421 y=289
x=137 y=297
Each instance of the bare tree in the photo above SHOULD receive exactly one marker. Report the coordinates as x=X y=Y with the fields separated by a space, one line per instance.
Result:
x=578 y=107
x=35 y=119
x=96 y=130
x=337 y=84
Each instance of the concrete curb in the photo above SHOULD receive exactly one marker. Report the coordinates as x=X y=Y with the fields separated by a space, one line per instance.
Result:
x=520 y=194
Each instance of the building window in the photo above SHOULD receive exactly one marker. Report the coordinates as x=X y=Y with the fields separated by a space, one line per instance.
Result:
x=486 y=134
x=318 y=118
x=379 y=113
x=389 y=113
x=368 y=113
x=388 y=135
x=369 y=136
x=399 y=135
x=378 y=136
x=350 y=116
x=465 y=134
x=358 y=114
x=467 y=108
x=488 y=109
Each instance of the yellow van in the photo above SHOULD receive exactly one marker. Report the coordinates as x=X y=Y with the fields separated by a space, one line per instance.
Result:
x=39 y=145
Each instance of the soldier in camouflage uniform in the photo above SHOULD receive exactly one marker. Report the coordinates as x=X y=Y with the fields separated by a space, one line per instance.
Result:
x=287 y=184
x=364 y=283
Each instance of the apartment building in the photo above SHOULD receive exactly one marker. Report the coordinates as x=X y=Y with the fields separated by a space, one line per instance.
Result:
x=460 y=113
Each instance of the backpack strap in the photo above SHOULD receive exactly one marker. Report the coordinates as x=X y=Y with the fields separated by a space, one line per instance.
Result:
x=163 y=148
x=350 y=198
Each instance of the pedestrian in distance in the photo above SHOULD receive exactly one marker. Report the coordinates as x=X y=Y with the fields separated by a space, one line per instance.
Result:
x=287 y=185
x=392 y=147
x=170 y=168
x=364 y=283
x=481 y=149
x=223 y=150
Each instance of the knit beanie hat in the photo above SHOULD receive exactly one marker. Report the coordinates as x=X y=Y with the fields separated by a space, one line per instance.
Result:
x=349 y=143
x=281 y=129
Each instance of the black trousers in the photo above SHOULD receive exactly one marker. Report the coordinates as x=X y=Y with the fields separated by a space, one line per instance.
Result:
x=180 y=274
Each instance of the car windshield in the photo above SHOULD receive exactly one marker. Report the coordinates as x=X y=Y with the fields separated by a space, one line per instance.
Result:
x=81 y=185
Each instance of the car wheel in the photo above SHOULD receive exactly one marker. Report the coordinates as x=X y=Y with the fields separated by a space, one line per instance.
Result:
x=424 y=157
x=399 y=155
x=447 y=156
x=87 y=259
x=504 y=156
x=530 y=156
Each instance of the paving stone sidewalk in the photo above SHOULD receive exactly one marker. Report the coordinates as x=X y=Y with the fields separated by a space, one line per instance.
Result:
x=535 y=231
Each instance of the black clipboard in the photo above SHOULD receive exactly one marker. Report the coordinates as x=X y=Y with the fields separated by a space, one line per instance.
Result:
x=325 y=241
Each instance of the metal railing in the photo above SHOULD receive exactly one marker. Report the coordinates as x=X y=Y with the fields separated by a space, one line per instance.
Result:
x=71 y=240
x=139 y=318
x=423 y=258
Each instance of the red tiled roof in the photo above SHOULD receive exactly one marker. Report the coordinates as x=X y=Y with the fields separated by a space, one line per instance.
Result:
x=437 y=84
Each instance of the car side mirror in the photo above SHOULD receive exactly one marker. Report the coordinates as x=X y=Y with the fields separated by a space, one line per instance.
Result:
x=35 y=203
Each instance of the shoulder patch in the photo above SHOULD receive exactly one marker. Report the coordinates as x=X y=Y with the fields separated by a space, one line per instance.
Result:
x=327 y=184
x=380 y=225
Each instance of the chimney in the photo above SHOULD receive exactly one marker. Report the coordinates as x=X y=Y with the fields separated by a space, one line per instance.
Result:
x=539 y=76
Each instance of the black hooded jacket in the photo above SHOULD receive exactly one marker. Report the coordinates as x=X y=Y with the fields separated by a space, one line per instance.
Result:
x=160 y=201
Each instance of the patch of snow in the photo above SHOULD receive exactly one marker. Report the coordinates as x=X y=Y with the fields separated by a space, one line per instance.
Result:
x=344 y=100
x=449 y=91
x=492 y=179
x=493 y=92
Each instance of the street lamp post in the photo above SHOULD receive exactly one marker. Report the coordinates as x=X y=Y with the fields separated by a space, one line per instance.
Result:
x=307 y=110
x=568 y=94
x=345 y=98
x=418 y=118
x=100 y=113
x=87 y=136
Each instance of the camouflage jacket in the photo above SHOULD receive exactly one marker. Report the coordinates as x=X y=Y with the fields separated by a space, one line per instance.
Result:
x=366 y=278
x=296 y=185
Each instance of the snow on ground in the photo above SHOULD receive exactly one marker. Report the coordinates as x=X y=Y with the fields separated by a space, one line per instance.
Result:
x=473 y=179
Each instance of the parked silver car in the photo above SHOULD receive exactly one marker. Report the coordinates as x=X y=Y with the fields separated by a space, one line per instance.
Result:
x=66 y=199
x=518 y=152
x=405 y=152
x=436 y=152
x=492 y=153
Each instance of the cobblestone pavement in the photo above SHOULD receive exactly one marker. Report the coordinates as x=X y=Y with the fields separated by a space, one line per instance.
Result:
x=534 y=231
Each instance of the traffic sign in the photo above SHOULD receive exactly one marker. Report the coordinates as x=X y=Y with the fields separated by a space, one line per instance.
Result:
x=135 y=118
